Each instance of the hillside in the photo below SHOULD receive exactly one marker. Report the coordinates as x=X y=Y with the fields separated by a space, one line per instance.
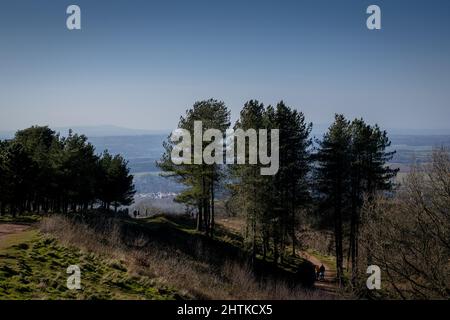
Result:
x=162 y=257
x=33 y=266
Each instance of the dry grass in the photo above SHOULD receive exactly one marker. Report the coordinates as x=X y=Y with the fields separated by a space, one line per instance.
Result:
x=192 y=278
x=235 y=224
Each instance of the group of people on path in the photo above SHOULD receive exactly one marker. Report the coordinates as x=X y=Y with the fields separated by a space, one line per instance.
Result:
x=320 y=272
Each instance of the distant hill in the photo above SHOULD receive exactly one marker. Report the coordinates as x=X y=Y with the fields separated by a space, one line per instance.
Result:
x=143 y=148
x=319 y=129
x=108 y=131
x=115 y=131
x=420 y=140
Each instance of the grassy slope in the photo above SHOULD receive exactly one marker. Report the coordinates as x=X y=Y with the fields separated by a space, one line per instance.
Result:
x=24 y=219
x=34 y=267
x=330 y=261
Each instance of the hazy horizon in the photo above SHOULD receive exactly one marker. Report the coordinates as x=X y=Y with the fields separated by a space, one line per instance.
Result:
x=113 y=130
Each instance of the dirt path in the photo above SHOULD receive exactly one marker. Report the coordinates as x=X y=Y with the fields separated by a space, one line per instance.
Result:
x=329 y=285
x=7 y=229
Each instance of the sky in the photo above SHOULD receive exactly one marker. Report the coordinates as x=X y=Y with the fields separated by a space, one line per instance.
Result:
x=141 y=64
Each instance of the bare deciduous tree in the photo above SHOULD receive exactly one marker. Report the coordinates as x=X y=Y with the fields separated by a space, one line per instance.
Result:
x=410 y=234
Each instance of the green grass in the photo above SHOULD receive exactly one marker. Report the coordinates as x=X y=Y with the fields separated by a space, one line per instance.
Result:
x=33 y=266
x=22 y=219
x=14 y=239
x=330 y=261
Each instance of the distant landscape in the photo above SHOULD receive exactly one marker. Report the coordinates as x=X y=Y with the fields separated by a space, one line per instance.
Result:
x=142 y=152
x=143 y=148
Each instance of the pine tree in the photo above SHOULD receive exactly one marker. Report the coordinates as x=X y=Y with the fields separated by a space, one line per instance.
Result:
x=3 y=182
x=270 y=203
x=115 y=182
x=19 y=171
x=351 y=169
x=39 y=143
x=39 y=170
x=201 y=180
x=78 y=165
x=253 y=191
x=333 y=179
x=369 y=174
x=291 y=181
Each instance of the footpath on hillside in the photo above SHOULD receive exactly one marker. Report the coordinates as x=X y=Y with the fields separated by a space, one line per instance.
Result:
x=329 y=284
x=7 y=229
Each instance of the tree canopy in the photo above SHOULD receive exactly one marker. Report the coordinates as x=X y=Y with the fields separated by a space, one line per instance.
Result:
x=43 y=172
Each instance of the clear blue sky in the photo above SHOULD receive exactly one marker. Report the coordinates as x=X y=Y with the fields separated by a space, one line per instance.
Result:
x=140 y=64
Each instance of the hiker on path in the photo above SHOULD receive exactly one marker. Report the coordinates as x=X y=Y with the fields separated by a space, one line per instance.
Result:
x=322 y=272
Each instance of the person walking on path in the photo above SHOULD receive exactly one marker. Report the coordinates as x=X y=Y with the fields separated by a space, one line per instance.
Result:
x=322 y=272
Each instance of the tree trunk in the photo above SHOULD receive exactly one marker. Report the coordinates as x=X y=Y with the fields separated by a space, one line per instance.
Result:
x=199 y=216
x=338 y=241
x=265 y=245
x=253 y=240
x=353 y=246
x=212 y=208
x=293 y=232
x=13 y=210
